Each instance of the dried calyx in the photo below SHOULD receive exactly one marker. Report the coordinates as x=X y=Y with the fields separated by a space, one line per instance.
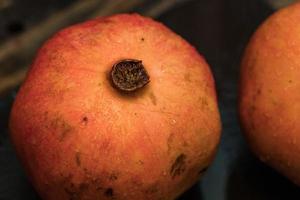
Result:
x=129 y=75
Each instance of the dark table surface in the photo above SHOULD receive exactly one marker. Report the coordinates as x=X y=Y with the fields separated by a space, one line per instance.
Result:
x=219 y=29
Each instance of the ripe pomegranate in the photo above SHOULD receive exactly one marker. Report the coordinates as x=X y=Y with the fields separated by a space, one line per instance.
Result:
x=269 y=92
x=117 y=107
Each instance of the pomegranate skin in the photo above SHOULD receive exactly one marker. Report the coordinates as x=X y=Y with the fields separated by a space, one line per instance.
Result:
x=79 y=137
x=269 y=95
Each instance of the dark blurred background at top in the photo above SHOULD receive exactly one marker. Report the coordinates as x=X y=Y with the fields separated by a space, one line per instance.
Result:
x=219 y=29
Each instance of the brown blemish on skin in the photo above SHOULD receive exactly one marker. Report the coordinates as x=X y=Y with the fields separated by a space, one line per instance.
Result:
x=187 y=77
x=75 y=191
x=202 y=170
x=78 y=158
x=142 y=39
x=109 y=192
x=85 y=120
x=96 y=182
x=178 y=166
x=153 y=98
x=88 y=174
x=203 y=101
x=61 y=127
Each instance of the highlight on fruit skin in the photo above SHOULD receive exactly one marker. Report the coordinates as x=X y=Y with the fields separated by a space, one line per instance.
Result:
x=80 y=137
x=269 y=97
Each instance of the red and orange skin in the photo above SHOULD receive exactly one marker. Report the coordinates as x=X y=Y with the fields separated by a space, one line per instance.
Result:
x=80 y=138
x=269 y=92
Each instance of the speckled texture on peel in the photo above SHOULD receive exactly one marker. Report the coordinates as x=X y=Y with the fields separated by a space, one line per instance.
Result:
x=80 y=138
x=270 y=92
